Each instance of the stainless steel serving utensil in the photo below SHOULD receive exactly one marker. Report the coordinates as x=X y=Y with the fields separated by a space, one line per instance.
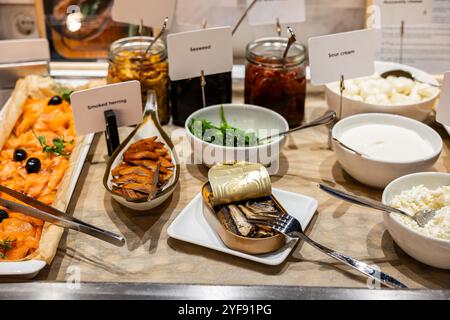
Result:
x=326 y=118
x=421 y=217
x=250 y=6
x=405 y=74
x=292 y=39
x=41 y=211
x=160 y=34
x=351 y=149
x=291 y=227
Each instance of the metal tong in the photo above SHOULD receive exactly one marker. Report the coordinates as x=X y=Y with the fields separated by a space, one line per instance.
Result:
x=44 y=212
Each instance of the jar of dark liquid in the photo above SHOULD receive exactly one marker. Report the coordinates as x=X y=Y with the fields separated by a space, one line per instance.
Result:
x=276 y=83
x=186 y=95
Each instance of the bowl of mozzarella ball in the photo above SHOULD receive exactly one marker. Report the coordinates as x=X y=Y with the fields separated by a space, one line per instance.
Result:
x=394 y=95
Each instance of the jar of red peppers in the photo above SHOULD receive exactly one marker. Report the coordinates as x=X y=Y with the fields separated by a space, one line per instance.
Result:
x=276 y=83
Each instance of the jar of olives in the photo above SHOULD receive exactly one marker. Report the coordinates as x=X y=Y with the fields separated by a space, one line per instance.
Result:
x=127 y=62
x=276 y=83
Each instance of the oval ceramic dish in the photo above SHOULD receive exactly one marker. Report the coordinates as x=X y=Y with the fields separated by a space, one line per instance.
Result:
x=233 y=241
x=150 y=127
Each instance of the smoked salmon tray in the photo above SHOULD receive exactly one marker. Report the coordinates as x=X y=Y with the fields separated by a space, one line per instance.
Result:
x=40 y=156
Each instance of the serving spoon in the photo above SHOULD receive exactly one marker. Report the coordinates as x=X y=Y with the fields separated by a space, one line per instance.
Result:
x=421 y=217
x=292 y=39
x=160 y=34
x=324 y=119
x=405 y=74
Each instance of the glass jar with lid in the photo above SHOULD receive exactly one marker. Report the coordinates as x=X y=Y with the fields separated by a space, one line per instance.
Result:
x=276 y=83
x=127 y=62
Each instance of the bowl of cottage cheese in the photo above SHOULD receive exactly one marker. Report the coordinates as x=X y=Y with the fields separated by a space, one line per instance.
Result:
x=421 y=191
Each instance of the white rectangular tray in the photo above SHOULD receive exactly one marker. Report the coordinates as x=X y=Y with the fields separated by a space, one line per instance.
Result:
x=29 y=269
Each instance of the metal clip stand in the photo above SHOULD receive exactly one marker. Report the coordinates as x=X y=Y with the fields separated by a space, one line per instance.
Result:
x=402 y=34
x=203 y=85
x=111 y=132
x=202 y=73
x=278 y=27
x=339 y=117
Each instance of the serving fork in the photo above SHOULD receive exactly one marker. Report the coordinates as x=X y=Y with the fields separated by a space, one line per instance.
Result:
x=291 y=227
x=421 y=217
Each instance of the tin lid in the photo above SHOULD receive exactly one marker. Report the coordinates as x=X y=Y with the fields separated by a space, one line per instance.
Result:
x=239 y=181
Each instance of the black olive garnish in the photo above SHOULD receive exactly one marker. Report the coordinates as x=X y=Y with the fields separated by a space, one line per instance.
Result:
x=33 y=165
x=3 y=215
x=20 y=155
x=55 y=100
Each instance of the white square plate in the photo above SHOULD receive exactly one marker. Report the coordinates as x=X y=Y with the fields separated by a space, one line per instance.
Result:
x=448 y=129
x=191 y=226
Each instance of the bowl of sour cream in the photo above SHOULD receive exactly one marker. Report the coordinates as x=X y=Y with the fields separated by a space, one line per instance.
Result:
x=377 y=148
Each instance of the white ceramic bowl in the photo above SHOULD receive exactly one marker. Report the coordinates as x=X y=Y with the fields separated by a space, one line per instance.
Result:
x=377 y=173
x=431 y=251
x=245 y=117
x=418 y=111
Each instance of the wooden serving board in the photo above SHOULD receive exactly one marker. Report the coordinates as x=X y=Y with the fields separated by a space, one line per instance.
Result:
x=152 y=256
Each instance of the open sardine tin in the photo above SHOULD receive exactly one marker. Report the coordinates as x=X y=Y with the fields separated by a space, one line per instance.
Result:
x=237 y=183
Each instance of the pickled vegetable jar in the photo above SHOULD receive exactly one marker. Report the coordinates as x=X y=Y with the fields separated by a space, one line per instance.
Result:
x=276 y=83
x=127 y=62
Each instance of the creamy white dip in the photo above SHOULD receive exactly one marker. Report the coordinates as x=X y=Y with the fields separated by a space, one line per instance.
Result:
x=387 y=142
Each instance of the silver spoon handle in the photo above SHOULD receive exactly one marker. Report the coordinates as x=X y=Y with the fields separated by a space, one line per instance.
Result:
x=428 y=83
x=362 y=267
x=324 y=119
x=360 y=200
x=161 y=32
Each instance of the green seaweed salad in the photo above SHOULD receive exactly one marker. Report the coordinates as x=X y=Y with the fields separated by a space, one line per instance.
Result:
x=223 y=135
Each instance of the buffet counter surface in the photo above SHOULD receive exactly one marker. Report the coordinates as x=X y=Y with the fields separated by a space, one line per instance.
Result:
x=151 y=261
x=139 y=291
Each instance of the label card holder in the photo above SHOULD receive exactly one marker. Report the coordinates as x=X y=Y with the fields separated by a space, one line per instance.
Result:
x=89 y=106
x=443 y=109
x=418 y=12
x=208 y=50
x=266 y=12
x=150 y=12
x=348 y=54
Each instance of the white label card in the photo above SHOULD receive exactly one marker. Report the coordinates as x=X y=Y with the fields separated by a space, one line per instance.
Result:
x=151 y=12
x=90 y=105
x=191 y=52
x=349 y=54
x=267 y=12
x=412 y=12
x=24 y=50
x=443 y=109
